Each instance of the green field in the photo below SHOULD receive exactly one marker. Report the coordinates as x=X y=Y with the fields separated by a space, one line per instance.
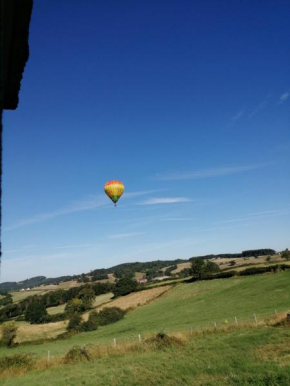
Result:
x=250 y=356
x=199 y=304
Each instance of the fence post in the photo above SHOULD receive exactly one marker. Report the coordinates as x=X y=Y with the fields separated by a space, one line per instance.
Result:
x=236 y=320
x=48 y=355
x=139 y=337
x=191 y=330
x=255 y=318
x=115 y=342
x=276 y=312
x=214 y=324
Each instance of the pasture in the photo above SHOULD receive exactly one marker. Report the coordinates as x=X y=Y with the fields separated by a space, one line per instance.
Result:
x=207 y=359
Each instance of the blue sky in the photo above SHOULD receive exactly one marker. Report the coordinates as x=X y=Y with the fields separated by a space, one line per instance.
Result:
x=185 y=102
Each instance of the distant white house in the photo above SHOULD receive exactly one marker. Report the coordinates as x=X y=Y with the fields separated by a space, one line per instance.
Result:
x=142 y=280
x=159 y=278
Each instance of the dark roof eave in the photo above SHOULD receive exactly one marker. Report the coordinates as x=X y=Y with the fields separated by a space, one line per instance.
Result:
x=15 y=20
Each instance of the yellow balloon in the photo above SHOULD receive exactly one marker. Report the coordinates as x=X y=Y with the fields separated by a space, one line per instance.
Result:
x=114 y=190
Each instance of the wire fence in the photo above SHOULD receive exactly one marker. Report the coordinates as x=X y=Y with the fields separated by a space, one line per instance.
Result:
x=251 y=320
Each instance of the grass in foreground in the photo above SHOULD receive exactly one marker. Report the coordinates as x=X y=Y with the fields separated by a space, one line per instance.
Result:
x=232 y=357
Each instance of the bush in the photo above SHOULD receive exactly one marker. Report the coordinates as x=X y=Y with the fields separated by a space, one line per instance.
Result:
x=225 y=275
x=56 y=317
x=20 y=318
x=9 y=330
x=92 y=323
x=76 y=354
x=110 y=315
x=74 y=322
x=17 y=361
x=162 y=340
x=66 y=334
x=257 y=270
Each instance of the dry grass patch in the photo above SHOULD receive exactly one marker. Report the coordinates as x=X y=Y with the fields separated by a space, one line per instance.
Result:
x=136 y=299
x=224 y=262
x=112 y=278
x=64 y=285
x=180 y=267
x=275 y=352
x=17 y=296
x=30 y=332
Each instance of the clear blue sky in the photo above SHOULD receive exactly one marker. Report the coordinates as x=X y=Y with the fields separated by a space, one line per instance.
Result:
x=185 y=102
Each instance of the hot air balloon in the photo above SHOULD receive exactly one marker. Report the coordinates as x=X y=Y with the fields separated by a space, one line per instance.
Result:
x=114 y=190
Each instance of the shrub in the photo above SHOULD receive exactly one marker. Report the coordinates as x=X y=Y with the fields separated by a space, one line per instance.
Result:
x=110 y=315
x=66 y=334
x=76 y=354
x=225 y=275
x=9 y=330
x=256 y=270
x=17 y=361
x=20 y=318
x=162 y=340
x=56 y=317
x=74 y=322
x=92 y=323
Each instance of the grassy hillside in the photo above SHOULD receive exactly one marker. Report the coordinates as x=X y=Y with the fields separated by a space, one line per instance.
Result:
x=210 y=359
x=198 y=304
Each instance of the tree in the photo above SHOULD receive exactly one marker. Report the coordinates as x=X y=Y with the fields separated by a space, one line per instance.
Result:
x=232 y=263
x=125 y=286
x=184 y=273
x=211 y=268
x=87 y=295
x=75 y=306
x=197 y=267
x=201 y=268
x=268 y=259
x=286 y=254
x=36 y=313
x=9 y=330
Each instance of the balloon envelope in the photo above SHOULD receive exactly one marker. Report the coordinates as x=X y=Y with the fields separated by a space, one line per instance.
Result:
x=114 y=190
